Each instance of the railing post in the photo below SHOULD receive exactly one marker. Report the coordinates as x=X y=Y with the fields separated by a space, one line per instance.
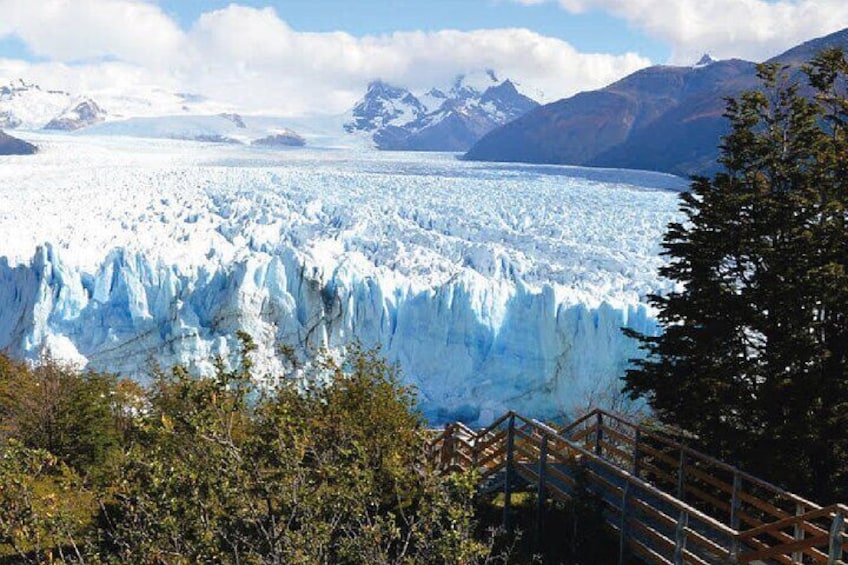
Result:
x=798 y=556
x=681 y=475
x=540 y=489
x=447 y=448
x=834 y=556
x=475 y=452
x=735 y=550
x=623 y=529
x=680 y=538
x=735 y=506
x=735 y=501
x=510 y=447
x=599 y=434
x=636 y=455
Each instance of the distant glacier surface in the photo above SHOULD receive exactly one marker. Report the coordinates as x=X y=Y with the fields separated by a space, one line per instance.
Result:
x=493 y=286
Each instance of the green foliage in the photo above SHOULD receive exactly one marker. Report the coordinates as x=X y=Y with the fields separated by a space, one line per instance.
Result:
x=330 y=467
x=71 y=415
x=753 y=356
x=39 y=500
x=328 y=472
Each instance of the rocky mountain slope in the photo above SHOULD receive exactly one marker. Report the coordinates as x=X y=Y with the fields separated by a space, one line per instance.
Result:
x=662 y=118
x=13 y=146
x=440 y=120
x=83 y=114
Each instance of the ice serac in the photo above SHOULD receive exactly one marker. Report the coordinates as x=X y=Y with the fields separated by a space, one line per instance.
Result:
x=473 y=346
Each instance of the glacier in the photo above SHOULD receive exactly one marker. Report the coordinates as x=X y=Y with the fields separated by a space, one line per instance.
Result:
x=493 y=286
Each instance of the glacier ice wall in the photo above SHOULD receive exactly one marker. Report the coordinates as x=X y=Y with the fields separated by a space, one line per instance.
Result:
x=494 y=286
x=472 y=346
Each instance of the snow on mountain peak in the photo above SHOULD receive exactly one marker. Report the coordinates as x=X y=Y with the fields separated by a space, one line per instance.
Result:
x=83 y=114
x=705 y=60
x=384 y=105
x=27 y=105
x=450 y=119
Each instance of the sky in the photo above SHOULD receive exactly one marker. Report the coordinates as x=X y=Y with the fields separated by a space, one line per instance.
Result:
x=298 y=57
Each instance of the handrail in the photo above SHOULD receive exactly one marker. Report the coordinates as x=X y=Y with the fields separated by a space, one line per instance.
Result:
x=789 y=496
x=651 y=489
x=491 y=449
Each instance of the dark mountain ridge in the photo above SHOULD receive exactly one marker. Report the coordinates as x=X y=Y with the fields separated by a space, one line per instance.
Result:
x=13 y=146
x=662 y=118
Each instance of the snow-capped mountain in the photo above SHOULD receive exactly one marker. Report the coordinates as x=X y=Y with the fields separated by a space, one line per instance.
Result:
x=28 y=106
x=384 y=106
x=84 y=114
x=705 y=60
x=438 y=120
x=284 y=138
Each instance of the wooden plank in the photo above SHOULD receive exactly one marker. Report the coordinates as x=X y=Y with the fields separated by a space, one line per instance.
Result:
x=648 y=554
x=492 y=470
x=707 y=478
x=790 y=521
x=668 y=543
x=522 y=449
x=758 y=545
x=651 y=533
x=500 y=436
x=649 y=449
x=484 y=462
x=617 y=452
x=785 y=539
x=603 y=482
x=623 y=438
x=697 y=538
x=579 y=421
x=529 y=438
x=708 y=498
x=659 y=472
x=654 y=513
x=786 y=548
x=581 y=435
x=762 y=505
x=694 y=536
x=560 y=476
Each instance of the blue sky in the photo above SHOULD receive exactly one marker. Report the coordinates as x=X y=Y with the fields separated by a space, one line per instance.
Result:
x=296 y=57
x=593 y=31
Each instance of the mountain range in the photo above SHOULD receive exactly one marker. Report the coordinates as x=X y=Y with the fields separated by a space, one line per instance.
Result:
x=662 y=118
x=28 y=106
x=440 y=120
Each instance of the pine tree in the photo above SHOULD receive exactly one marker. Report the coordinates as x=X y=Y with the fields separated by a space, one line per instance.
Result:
x=753 y=356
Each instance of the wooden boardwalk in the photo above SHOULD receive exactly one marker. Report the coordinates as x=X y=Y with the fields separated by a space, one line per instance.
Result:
x=668 y=503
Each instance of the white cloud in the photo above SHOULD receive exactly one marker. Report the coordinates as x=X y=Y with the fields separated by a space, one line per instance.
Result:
x=70 y=30
x=750 y=29
x=255 y=60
